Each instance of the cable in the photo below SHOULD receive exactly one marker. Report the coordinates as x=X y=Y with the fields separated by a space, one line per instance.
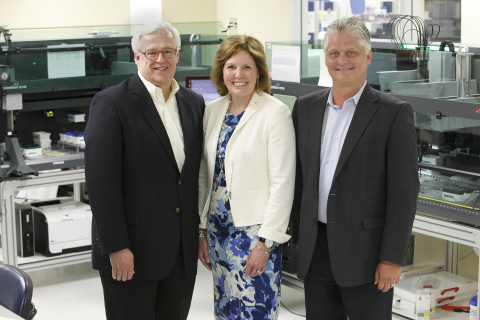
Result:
x=400 y=26
x=32 y=122
x=467 y=255
x=298 y=314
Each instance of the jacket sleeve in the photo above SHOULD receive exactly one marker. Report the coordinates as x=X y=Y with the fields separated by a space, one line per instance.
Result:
x=402 y=187
x=103 y=172
x=281 y=171
x=203 y=175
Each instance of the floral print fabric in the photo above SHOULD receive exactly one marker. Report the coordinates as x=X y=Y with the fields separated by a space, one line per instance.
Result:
x=237 y=296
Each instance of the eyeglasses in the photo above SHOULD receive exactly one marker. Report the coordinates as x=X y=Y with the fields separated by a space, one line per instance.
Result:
x=153 y=54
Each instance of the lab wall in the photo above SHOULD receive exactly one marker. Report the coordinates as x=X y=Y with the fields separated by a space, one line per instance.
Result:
x=470 y=9
x=185 y=11
x=266 y=20
x=54 y=13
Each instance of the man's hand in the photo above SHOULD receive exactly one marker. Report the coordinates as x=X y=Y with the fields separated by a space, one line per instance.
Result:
x=257 y=261
x=122 y=265
x=387 y=274
x=203 y=253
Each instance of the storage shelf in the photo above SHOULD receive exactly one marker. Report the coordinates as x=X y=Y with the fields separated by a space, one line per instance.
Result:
x=7 y=225
x=439 y=313
x=39 y=261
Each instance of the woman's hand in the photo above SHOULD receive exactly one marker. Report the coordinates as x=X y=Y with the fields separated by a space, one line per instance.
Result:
x=203 y=253
x=257 y=261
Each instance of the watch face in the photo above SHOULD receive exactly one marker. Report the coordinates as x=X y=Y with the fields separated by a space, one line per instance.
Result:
x=268 y=243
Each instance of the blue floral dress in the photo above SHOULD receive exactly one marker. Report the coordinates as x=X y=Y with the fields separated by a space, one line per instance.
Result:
x=237 y=296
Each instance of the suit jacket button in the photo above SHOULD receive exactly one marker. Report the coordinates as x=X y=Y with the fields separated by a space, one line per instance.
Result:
x=314 y=223
x=177 y=210
x=179 y=181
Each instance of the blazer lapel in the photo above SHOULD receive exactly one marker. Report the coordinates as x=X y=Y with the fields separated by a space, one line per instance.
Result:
x=316 y=112
x=215 y=131
x=186 y=122
x=145 y=103
x=249 y=112
x=364 y=112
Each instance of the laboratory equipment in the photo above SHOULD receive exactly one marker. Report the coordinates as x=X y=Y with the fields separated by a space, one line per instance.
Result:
x=62 y=227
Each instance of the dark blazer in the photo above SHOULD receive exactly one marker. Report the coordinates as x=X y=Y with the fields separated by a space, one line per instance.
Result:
x=139 y=198
x=372 y=201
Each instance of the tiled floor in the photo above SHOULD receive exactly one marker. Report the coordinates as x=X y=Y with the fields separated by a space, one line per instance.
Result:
x=75 y=293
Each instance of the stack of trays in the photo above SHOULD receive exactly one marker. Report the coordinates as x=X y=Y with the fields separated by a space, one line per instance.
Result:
x=42 y=139
x=76 y=116
x=452 y=288
x=31 y=150
x=73 y=137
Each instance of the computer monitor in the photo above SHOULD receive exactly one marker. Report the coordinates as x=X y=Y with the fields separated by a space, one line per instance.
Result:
x=204 y=87
x=388 y=5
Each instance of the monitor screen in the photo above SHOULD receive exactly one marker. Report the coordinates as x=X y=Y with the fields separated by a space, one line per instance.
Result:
x=388 y=5
x=204 y=87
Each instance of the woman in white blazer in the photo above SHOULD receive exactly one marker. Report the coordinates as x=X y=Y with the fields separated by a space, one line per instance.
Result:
x=246 y=183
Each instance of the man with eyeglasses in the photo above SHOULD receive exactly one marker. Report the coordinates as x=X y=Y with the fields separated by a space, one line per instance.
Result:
x=143 y=146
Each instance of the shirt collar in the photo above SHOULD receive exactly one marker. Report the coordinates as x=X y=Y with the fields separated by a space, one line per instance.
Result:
x=355 y=98
x=155 y=91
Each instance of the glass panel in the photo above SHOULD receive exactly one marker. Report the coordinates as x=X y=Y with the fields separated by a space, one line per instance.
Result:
x=447 y=14
x=396 y=71
x=377 y=13
x=428 y=72
x=309 y=59
x=452 y=143
x=65 y=33
x=89 y=58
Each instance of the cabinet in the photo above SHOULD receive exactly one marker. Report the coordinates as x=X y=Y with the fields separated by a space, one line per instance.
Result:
x=8 y=187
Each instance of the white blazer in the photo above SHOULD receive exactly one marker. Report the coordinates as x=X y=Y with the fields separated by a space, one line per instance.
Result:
x=259 y=165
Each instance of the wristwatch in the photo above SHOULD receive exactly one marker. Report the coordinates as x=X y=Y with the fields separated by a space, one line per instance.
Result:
x=266 y=242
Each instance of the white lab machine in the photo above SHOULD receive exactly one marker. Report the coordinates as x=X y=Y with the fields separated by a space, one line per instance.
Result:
x=62 y=228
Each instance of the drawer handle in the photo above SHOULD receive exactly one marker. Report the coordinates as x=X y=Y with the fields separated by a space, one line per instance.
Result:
x=445 y=299
x=446 y=290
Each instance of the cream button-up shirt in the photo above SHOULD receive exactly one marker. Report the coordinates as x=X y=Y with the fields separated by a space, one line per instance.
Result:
x=168 y=111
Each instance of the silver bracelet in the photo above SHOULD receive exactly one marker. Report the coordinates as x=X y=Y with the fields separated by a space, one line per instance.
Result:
x=266 y=252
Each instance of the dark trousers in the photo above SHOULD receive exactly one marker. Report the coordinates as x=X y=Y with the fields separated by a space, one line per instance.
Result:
x=144 y=299
x=326 y=300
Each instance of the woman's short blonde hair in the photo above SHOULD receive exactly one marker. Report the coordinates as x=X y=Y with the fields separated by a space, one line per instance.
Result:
x=230 y=47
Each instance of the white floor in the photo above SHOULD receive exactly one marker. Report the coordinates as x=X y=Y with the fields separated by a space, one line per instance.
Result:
x=75 y=293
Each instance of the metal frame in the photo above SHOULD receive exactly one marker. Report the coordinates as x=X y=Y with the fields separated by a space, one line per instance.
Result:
x=7 y=221
x=91 y=46
x=439 y=107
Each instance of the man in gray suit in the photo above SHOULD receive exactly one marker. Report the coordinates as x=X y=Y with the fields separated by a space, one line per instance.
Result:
x=356 y=186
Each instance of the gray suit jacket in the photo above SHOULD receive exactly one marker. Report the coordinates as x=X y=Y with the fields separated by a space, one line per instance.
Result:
x=372 y=201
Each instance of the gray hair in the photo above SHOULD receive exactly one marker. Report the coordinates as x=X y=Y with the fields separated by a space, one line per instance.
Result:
x=159 y=27
x=351 y=26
